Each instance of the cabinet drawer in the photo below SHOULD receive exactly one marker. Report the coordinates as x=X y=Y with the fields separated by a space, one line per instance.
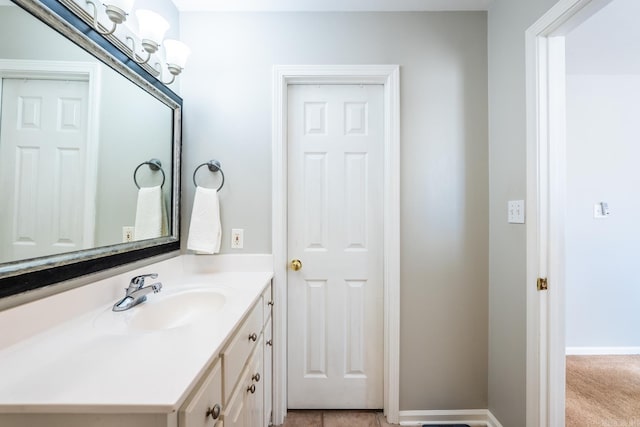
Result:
x=245 y=406
x=236 y=406
x=235 y=355
x=204 y=407
x=267 y=301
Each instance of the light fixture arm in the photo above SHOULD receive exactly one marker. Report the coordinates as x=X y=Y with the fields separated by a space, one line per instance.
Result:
x=135 y=54
x=96 y=25
x=173 y=79
x=174 y=70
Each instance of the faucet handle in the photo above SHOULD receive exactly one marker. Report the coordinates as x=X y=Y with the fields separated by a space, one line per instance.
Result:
x=139 y=280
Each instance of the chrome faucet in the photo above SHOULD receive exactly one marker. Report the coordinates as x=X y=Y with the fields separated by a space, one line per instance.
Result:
x=137 y=292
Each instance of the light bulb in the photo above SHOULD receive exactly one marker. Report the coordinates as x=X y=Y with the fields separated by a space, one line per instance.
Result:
x=176 y=52
x=151 y=26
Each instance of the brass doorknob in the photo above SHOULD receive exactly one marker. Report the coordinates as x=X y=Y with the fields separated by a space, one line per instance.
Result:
x=295 y=264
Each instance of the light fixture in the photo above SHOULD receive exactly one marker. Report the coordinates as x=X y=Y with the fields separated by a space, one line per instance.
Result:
x=176 y=54
x=117 y=11
x=151 y=30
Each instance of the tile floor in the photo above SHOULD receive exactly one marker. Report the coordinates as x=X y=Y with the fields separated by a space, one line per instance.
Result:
x=336 y=419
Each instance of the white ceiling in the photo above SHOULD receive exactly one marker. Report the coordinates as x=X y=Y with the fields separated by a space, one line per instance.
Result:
x=608 y=42
x=331 y=5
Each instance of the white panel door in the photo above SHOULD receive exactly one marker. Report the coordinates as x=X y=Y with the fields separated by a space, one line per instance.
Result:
x=335 y=219
x=43 y=136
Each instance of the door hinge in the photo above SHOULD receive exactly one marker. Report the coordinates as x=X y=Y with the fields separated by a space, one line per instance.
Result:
x=542 y=284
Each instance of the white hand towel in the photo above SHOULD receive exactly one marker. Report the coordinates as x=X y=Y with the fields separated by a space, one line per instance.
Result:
x=205 y=230
x=151 y=214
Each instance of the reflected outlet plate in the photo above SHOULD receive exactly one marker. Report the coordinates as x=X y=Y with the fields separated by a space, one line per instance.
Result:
x=515 y=211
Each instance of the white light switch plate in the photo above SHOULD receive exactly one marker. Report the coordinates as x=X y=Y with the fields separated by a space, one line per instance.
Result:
x=515 y=211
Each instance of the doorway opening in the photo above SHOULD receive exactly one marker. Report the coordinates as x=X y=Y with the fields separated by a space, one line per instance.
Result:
x=576 y=146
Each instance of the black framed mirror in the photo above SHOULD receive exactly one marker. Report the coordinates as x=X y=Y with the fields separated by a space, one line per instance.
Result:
x=115 y=145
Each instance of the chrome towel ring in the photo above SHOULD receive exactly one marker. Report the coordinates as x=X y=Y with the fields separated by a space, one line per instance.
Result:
x=214 y=166
x=154 y=165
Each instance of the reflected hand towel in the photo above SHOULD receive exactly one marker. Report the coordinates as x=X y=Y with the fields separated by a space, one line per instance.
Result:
x=151 y=214
x=205 y=230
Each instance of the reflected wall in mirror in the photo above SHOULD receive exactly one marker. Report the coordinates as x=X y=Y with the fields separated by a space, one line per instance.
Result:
x=72 y=132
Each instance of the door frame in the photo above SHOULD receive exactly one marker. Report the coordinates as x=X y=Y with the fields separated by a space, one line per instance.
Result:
x=546 y=187
x=389 y=77
x=76 y=71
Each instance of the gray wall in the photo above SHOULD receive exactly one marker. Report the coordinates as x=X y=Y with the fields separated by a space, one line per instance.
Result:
x=602 y=291
x=444 y=211
x=167 y=10
x=507 y=23
x=602 y=44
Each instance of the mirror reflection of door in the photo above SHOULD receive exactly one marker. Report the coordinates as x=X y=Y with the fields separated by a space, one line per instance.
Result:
x=43 y=137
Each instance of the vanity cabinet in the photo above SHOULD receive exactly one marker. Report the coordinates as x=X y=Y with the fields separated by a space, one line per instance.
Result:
x=268 y=374
x=267 y=298
x=245 y=406
x=248 y=394
x=236 y=354
x=204 y=406
x=236 y=390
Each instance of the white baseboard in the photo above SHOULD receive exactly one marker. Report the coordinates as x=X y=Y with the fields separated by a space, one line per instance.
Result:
x=493 y=421
x=585 y=351
x=473 y=417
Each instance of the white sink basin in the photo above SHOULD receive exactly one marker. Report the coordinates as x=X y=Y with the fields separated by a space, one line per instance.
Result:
x=164 y=311
x=175 y=309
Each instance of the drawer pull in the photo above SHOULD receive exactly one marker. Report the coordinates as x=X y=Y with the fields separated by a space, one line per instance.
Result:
x=270 y=303
x=214 y=412
x=251 y=389
x=253 y=337
x=256 y=377
x=270 y=343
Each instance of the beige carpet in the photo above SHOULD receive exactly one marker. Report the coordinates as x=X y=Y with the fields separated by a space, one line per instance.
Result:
x=328 y=418
x=603 y=391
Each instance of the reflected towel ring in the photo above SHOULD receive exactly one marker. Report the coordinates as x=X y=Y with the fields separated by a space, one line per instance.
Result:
x=154 y=165
x=214 y=166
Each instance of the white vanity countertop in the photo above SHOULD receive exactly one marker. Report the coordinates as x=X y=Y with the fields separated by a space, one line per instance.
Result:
x=82 y=366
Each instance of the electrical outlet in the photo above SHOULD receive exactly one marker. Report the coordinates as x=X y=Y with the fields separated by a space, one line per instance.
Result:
x=237 y=238
x=128 y=234
x=515 y=211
